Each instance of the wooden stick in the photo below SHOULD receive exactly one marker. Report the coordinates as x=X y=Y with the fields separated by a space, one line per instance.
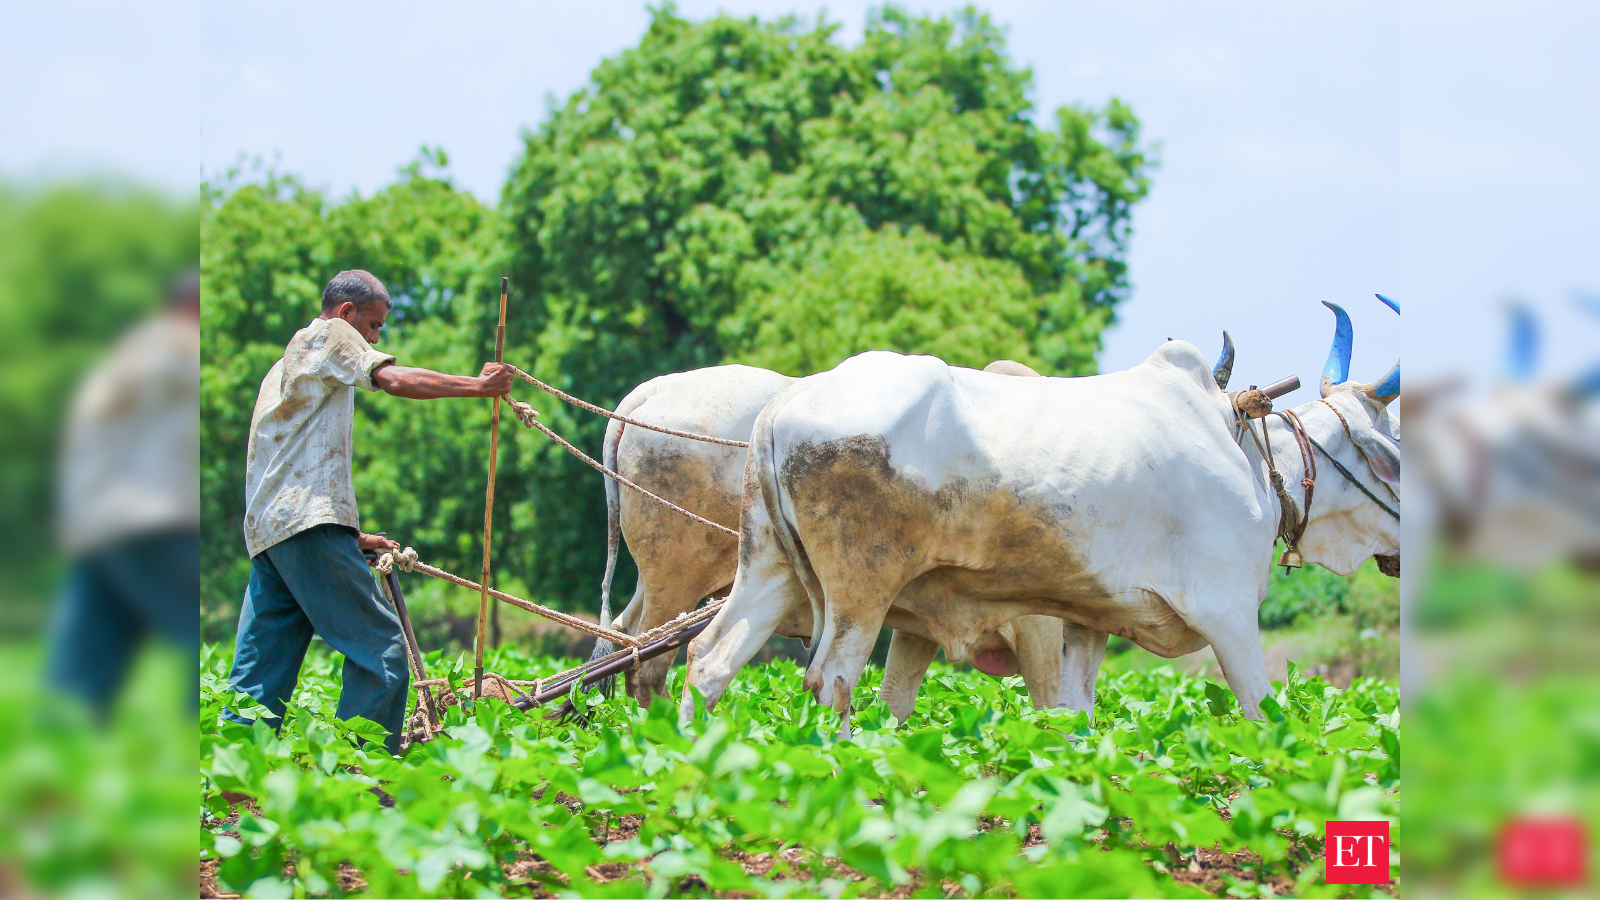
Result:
x=391 y=586
x=488 y=502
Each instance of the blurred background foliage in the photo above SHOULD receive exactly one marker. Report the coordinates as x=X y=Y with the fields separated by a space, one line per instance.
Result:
x=88 y=808
x=726 y=191
x=79 y=263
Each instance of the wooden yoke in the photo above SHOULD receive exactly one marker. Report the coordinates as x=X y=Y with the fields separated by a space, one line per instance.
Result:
x=488 y=502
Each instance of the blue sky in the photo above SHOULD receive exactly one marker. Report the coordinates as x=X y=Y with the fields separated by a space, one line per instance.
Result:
x=1443 y=154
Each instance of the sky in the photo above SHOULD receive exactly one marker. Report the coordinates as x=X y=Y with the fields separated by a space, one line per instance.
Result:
x=1442 y=154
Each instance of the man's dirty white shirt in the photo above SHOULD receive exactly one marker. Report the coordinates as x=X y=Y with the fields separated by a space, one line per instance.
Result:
x=297 y=470
x=132 y=445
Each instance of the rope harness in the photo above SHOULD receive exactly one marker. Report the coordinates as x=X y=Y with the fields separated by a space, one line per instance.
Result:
x=1292 y=521
x=529 y=417
x=1346 y=472
x=406 y=560
x=581 y=404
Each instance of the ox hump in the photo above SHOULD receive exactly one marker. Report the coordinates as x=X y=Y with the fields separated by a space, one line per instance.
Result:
x=1187 y=358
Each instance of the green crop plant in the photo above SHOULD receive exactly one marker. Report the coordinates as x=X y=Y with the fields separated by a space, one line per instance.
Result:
x=978 y=794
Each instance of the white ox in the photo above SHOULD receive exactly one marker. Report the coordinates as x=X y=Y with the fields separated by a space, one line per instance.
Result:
x=946 y=502
x=1513 y=477
x=681 y=561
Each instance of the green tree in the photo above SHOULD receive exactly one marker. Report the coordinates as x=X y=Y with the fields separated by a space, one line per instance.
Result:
x=731 y=190
x=738 y=190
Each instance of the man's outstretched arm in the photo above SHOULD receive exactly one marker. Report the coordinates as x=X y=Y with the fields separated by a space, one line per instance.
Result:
x=425 y=384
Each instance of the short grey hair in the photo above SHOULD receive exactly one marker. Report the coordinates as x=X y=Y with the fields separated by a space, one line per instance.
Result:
x=356 y=286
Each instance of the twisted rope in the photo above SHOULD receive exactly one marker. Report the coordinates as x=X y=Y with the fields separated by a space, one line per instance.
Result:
x=678 y=623
x=530 y=417
x=408 y=562
x=583 y=404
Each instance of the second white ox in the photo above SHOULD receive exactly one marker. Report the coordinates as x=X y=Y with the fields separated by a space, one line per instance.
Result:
x=946 y=502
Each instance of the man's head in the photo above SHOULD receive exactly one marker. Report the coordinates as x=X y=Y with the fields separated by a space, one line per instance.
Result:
x=183 y=296
x=358 y=297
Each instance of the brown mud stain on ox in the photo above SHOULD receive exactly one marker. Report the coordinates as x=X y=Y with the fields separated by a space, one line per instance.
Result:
x=686 y=479
x=967 y=540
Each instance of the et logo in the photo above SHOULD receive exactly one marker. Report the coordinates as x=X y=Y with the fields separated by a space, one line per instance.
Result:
x=1543 y=853
x=1358 y=852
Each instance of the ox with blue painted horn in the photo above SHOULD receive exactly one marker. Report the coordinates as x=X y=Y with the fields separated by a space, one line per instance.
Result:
x=945 y=503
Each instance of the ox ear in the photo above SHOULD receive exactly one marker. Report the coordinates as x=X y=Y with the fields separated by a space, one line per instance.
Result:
x=1380 y=453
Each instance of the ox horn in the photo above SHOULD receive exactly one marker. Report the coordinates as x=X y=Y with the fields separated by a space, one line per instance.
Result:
x=1385 y=389
x=1224 y=367
x=1337 y=369
x=1522 y=349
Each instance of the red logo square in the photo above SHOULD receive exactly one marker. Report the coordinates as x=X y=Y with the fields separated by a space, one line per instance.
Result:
x=1357 y=852
x=1543 y=853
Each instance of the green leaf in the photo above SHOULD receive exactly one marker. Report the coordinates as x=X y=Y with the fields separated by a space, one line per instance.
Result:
x=1218 y=699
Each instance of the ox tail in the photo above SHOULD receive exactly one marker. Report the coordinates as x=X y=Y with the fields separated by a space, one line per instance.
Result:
x=608 y=456
x=764 y=459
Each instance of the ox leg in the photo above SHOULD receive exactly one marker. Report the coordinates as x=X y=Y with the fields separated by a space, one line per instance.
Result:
x=1036 y=640
x=656 y=604
x=1082 y=652
x=759 y=602
x=628 y=621
x=842 y=653
x=1237 y=643
x=909 y=658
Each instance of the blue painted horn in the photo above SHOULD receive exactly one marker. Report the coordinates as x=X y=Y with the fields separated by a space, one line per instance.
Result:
x=1224 y=367
x=1522 y=351
x=1386 y=388
x=1337 y=369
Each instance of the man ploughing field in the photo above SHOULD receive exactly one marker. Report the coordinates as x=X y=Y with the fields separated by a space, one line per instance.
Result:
x=301 y=527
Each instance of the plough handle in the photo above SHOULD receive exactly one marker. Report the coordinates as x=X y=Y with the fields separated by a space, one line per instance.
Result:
x=411 y=636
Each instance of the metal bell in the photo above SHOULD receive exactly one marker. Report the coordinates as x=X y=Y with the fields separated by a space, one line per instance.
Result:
x=1291 y=559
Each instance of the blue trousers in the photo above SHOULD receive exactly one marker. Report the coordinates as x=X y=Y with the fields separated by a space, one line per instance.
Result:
x=318 y=582
x=116 y=597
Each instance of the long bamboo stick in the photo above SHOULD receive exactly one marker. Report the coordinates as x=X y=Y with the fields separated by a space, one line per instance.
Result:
x=488 y=502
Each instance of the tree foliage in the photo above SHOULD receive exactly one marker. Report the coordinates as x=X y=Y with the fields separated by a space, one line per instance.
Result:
x=726 y=191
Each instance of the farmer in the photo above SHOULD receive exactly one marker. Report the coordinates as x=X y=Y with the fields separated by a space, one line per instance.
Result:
x=301 y=527
x=129 y=506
